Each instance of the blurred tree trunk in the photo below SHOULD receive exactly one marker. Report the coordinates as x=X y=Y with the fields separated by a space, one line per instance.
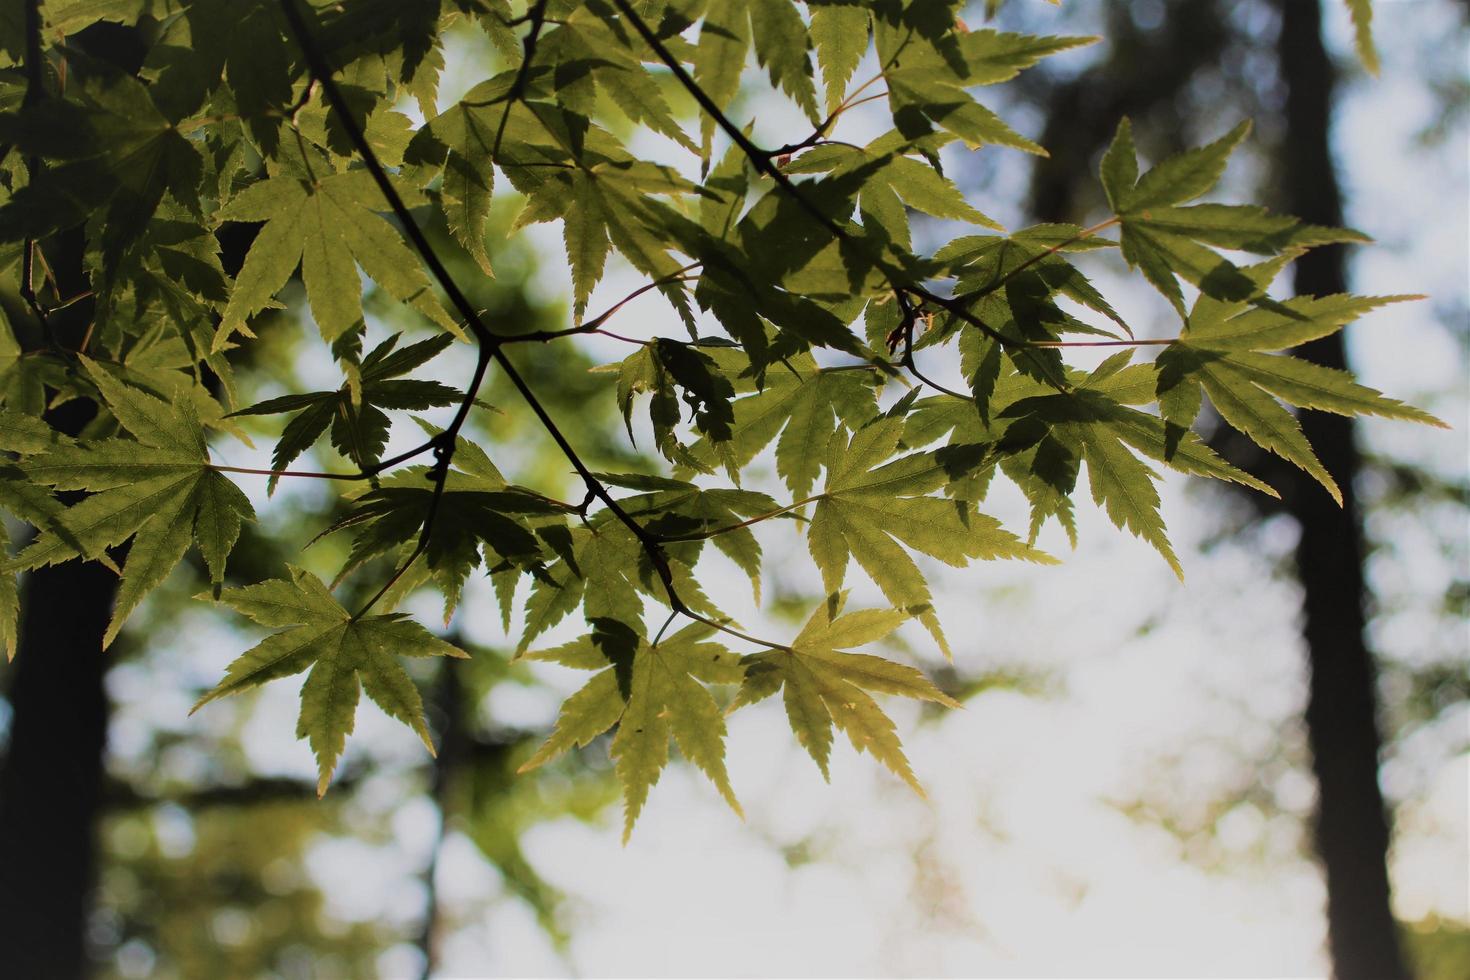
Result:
x=1352 y=831
x=50 y=784
x=51 y=776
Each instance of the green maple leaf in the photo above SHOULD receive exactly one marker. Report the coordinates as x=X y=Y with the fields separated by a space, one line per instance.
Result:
x=345 y=654
x=158 y=489
x=1362 y=11
x=662 y=369
x=801 y=404
x=464 y=194
x=606 y=571
x=478 y=514
x=115 y=155
x=1165 y=240
x=888 y=168
x=591 y=47
x=872 y=502
x=606 y=201
x=840 y=35
x=650 y=691
x=719 y=59
x=328 y=227
x=1026 y=262
x=354 y=413
x=684 y=516
x=781 y=46
x=928 y=67
x=1045 y=437
x=24 y=500
x=1223 y=351
x=24 y=375
x=824 y=686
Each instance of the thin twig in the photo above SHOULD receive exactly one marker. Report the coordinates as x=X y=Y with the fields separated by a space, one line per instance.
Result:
x=35 y=91
x=537 y=16
x=730 y=630
x=1149 y=342
x=818 y=135
x=279 y=473
x=594 y=325
x=703 y=535
x=673 y=614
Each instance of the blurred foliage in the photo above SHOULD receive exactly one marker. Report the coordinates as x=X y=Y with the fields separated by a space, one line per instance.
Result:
x=1438 y=949
x=222 y=892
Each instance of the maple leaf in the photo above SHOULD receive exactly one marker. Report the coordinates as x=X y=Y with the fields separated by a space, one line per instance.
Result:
x=800 y=403
x=1362 y=12
x=25 y=375
x=684 y=516
x=661 y=369
x=893 y=179
x=869 y=504
x=651 y=691
x=354 y=412
x=345 y=653
x=840 y=35
x=120 y=155
x=823 y=685
x=719 y=59
x=1028 y=264
x=605 y=570
x=1223 y=352
x=478 y=511
x=328 y=227
x=22 y=499
x=158 y=490
x=929 y=67
x=1165 y=240
x=1045 y=438
x=593 y=49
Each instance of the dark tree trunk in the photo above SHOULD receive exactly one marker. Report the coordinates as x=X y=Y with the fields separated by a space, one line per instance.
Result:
x=51 y=776
x=1352 y=831
x=50 y=785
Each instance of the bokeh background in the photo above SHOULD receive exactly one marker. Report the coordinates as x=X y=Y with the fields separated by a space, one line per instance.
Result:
x=1128 y=790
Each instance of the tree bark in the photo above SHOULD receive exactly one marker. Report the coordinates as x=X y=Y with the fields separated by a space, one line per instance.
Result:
x=1352 y=828
x=51 y=776
x=50 y=784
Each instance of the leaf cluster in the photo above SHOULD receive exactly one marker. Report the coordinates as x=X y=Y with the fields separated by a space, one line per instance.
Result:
x=632 y=127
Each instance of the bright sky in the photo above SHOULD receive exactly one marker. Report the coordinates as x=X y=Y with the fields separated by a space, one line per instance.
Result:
x=1020 y=862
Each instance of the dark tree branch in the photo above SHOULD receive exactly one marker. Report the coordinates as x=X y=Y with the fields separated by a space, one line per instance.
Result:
x=537 y=16
x=490 y=342
x=35 y=68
